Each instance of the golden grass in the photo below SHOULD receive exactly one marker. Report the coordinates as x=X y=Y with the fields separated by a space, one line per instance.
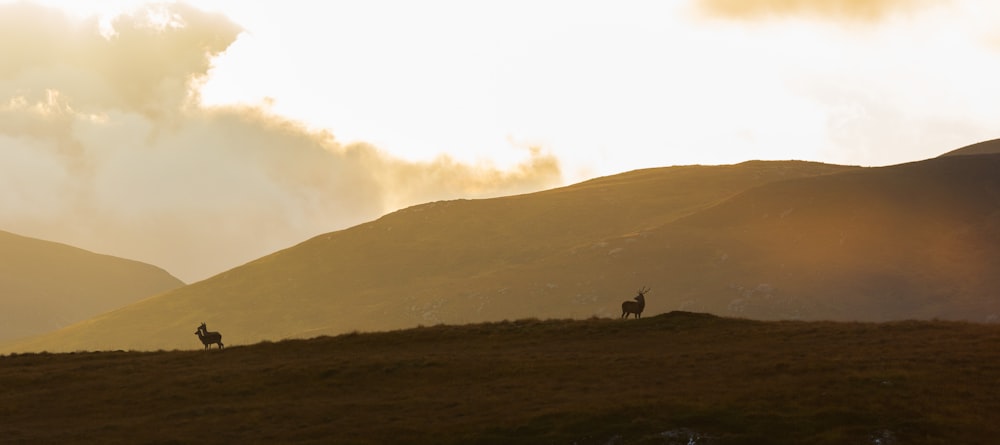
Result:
x=664 y=379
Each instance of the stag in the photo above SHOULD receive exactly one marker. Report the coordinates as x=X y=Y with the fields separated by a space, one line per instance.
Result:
x=209 y=338
x=635 y=307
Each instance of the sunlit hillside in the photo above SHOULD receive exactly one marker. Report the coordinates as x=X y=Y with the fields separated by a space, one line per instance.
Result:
x=45 y=286
x=454 y=261
x=766 y=240
x=913 y=241
x=986 y=147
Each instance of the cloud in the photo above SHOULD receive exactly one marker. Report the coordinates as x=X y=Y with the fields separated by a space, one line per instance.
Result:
x=147 y=65
x=104 y=145
x=862 y=126
x=853 y=10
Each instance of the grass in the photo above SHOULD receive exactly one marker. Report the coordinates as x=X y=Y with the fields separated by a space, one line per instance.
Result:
x=665 y=379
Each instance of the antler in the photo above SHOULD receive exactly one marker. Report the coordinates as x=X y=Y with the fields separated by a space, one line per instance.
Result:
x=643 y=290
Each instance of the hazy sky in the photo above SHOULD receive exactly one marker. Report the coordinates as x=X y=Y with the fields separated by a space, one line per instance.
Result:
x=197 y=136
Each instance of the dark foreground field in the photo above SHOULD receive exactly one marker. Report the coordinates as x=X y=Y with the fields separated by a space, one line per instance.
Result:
x=675 y=378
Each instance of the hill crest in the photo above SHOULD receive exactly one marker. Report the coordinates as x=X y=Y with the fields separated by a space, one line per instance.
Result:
x=981 y=148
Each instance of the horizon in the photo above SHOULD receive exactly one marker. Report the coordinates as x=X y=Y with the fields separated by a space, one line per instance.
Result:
x=174 y=133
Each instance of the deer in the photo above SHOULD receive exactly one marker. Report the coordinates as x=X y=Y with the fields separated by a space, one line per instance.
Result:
x=209 y=338
x=635 y=307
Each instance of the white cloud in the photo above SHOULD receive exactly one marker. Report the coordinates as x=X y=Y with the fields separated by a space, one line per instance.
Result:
x=103 y=145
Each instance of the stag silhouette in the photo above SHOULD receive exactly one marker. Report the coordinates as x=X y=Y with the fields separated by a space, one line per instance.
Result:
x=209 y=338
x=635 y=307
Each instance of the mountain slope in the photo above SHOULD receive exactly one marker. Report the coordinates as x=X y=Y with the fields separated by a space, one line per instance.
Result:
x=981 y=148
x=455 y=261
x=45 y=286
x=768 y=240
x=918 y=240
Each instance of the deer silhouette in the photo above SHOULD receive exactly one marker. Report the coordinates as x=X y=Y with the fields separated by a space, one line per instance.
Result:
x=209 y=338
x=635 y=307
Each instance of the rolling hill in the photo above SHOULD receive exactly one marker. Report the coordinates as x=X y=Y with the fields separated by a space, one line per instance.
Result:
x=675 y=378
x=766 y=240
x=913 y=241
x=45 y=285
x=453 y=261
x=981 y=148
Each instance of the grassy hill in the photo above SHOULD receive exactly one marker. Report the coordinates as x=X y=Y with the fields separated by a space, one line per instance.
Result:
x=456 y=261
x=45 y=286
x=764 y=240
x=912 y=241
x=676 y=378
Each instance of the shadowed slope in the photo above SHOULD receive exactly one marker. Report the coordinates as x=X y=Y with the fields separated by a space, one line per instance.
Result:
x=454 y=261
x=675 y=378
x=45 y=286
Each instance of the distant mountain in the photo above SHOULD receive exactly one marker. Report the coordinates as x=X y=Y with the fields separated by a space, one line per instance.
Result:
x=45 y=286
x=767 y=240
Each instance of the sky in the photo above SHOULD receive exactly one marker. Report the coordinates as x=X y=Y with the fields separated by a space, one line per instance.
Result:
x=198 y=136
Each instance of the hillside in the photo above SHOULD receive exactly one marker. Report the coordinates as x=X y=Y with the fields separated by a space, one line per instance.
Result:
x=677 y=378
x=982 y=148
x=455 y=262
x=45 y=286
x=913 y=241
x=765 y=240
